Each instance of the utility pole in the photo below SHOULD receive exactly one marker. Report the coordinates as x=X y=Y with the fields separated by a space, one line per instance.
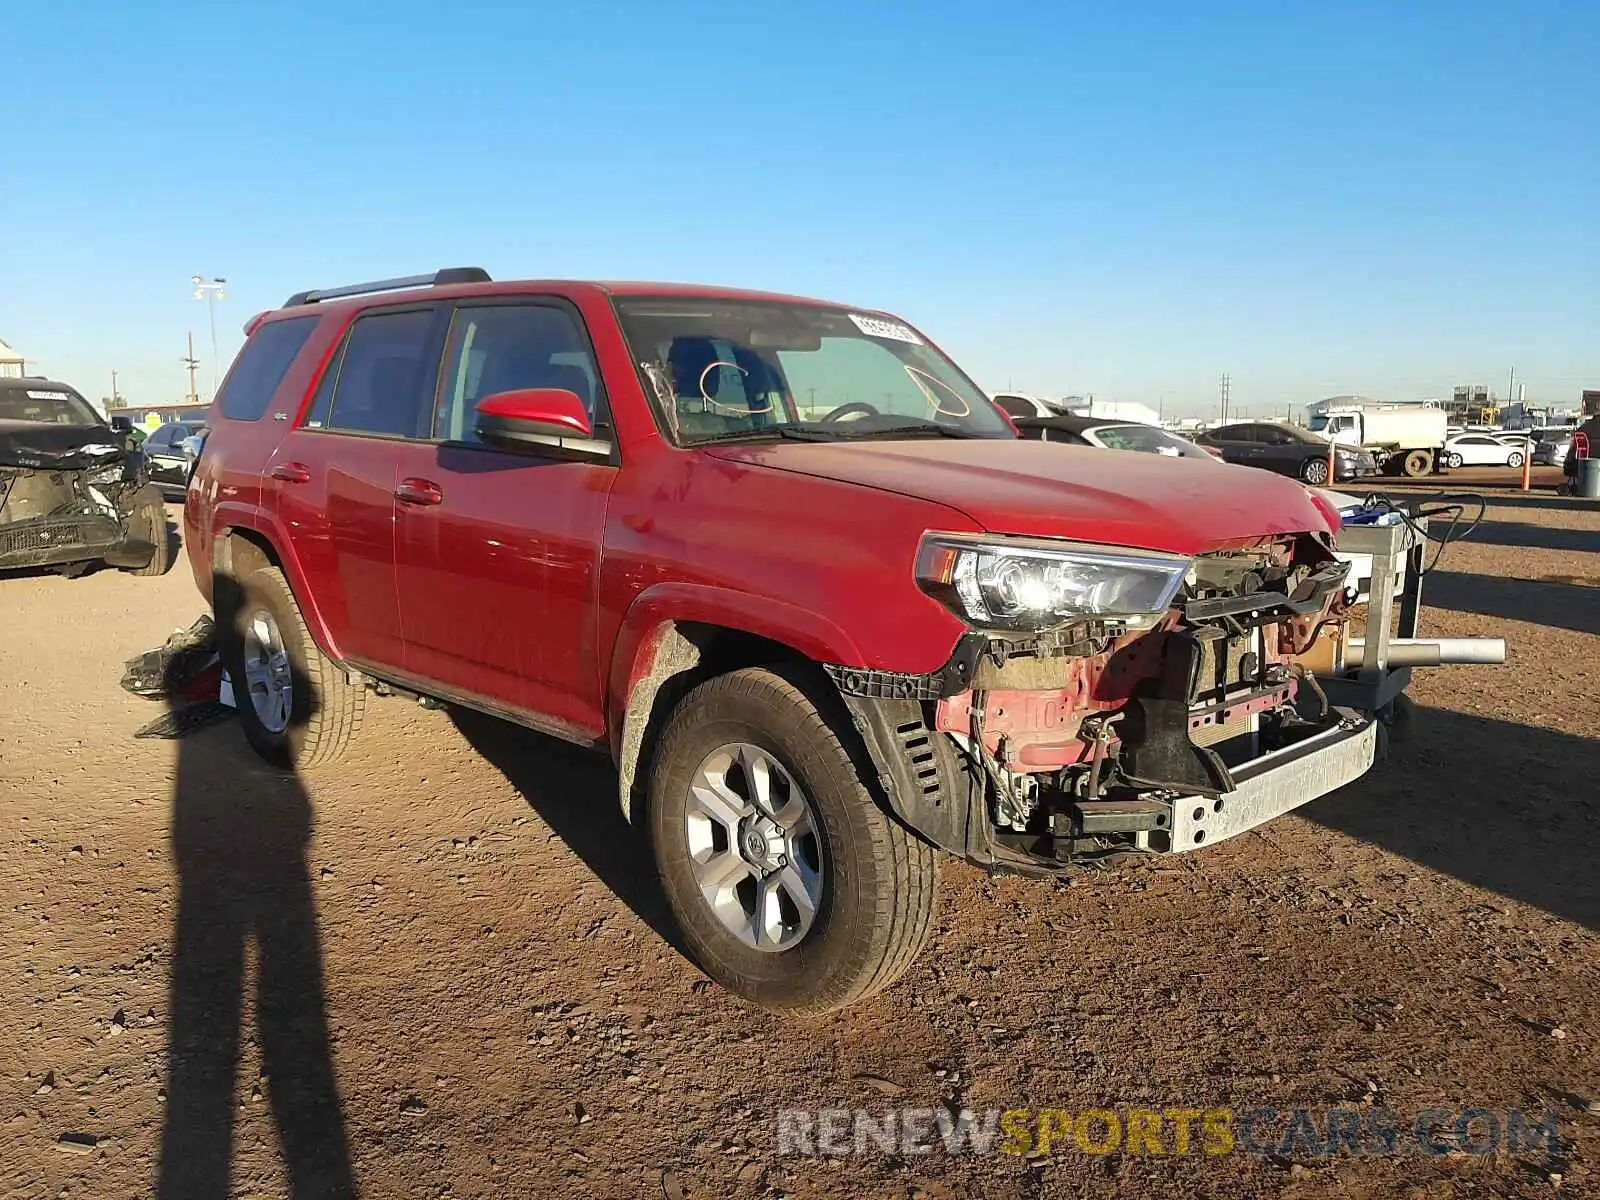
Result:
x=1227 y=383
x=192 y=364
x=1511 y=388
x=116 y=401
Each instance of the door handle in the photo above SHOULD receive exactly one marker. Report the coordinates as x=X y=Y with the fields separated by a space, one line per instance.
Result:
x=418 y=491
x=291 y=472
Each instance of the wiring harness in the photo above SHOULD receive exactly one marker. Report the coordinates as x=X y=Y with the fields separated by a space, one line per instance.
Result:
x=1453 y=506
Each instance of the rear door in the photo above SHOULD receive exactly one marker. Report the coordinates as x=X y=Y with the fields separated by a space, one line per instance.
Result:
x=1279 y=450
x=335 y=474
x=1237 y=443
x=498 y=553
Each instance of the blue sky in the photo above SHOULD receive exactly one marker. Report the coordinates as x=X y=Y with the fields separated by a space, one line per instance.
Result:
x=1120 y=199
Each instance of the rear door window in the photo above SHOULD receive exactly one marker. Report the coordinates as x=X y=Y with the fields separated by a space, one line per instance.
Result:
x=380 y=379
x=261 y=366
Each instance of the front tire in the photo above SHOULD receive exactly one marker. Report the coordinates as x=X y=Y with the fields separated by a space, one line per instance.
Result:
x=791 y=884
x=1315 y=471
x=1452 y=461
x=296 y=705
x=149 y=523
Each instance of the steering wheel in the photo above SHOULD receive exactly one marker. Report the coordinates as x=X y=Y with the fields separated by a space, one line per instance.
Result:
x=855 y=406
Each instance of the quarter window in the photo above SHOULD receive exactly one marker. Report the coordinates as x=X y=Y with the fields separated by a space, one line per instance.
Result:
x=261 y=366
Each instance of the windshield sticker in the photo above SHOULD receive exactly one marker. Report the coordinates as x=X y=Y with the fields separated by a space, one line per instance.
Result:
x=48 y=395
x=878 y=327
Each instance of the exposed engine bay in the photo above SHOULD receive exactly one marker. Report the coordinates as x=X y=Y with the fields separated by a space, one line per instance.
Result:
x=74 y=493
x=1076 y=743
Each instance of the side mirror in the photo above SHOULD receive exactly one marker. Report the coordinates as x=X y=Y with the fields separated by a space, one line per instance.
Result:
x=532 y=420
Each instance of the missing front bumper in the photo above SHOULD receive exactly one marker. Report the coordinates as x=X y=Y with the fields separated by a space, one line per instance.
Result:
x=1276 y=783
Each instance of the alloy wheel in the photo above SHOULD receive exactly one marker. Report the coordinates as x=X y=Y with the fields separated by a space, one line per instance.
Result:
x=754 y=847
x=268 y=677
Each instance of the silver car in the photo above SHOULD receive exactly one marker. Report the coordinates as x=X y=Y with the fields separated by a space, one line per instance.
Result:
x=1550 y=449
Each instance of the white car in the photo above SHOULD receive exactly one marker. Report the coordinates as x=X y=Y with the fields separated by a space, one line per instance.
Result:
x=1483 y=450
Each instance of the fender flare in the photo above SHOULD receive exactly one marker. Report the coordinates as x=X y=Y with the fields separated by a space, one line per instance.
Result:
x=651 y=648
x=227 y=524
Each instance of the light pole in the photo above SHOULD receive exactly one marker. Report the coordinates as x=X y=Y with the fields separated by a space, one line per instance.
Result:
x=1161 y=406
x=211 y=291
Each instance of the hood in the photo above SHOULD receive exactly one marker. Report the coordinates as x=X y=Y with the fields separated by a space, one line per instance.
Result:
x=1113 y=497
x=44 y=445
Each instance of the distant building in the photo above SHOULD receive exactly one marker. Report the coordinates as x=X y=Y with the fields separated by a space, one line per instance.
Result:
x=1474 y=404
x=153 y=416
x=11 y=363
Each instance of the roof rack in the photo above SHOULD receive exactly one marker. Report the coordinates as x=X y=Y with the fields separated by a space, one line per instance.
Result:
x=437 y=279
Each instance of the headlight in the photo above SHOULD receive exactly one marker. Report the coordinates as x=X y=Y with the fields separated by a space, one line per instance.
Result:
x=999 y=584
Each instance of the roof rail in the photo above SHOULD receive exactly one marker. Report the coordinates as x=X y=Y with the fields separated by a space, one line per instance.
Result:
x=437 y=279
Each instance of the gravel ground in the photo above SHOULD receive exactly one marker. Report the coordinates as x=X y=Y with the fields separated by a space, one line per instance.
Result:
x=441 y=969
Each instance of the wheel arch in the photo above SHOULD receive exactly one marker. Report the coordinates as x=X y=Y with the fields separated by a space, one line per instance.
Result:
x=677 y=636
x=240 y=549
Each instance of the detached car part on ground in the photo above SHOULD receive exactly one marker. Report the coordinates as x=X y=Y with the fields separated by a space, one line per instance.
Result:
x=823 y=638
x=72 y=491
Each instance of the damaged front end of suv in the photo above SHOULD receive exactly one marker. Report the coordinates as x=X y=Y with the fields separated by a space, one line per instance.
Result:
x=72 y=493
x=1109 y=703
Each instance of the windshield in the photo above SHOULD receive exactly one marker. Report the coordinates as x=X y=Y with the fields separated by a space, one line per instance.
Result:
x=1145 y=438
x=1318 y=422
x=736 y=369
x=49 y=404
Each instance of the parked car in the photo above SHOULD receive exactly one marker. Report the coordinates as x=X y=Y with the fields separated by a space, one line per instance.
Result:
x=73 y=491
x=1550 y=446
x=1110 y=435
x=791 y=568
x=1483 y=450
x=1287 y=450
x=169 y=452
x=1024 y=404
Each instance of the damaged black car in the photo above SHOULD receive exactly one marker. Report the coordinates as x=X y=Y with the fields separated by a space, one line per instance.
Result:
x=73 y=492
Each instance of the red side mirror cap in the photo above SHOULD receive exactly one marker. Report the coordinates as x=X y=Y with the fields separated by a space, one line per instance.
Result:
x=527 y=419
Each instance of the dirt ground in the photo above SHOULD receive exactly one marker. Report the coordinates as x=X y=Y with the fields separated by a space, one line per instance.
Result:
x=444 y=971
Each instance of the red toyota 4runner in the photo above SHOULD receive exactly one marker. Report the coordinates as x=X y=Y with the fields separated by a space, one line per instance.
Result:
x=791 y=568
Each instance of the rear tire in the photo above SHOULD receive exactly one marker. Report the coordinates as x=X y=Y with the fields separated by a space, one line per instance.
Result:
x=1315 y=471
x=149 y=523
x=321 y=714
x=1417 y=463
x=876 y=882
x=1452 y=461
x=1514 y=459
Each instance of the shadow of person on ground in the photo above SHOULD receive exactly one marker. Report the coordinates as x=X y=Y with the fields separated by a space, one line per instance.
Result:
x=574 y=791
x=1545 y=501
x=1559 y=602
x=1505 y=807
x=1535 y=537
x=239 y=836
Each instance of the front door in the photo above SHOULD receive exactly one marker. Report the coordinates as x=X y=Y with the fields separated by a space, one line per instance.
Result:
x=497 y=554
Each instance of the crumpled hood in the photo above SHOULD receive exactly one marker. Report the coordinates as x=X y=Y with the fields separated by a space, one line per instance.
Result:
x=44 y=445
x=1120 y=498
